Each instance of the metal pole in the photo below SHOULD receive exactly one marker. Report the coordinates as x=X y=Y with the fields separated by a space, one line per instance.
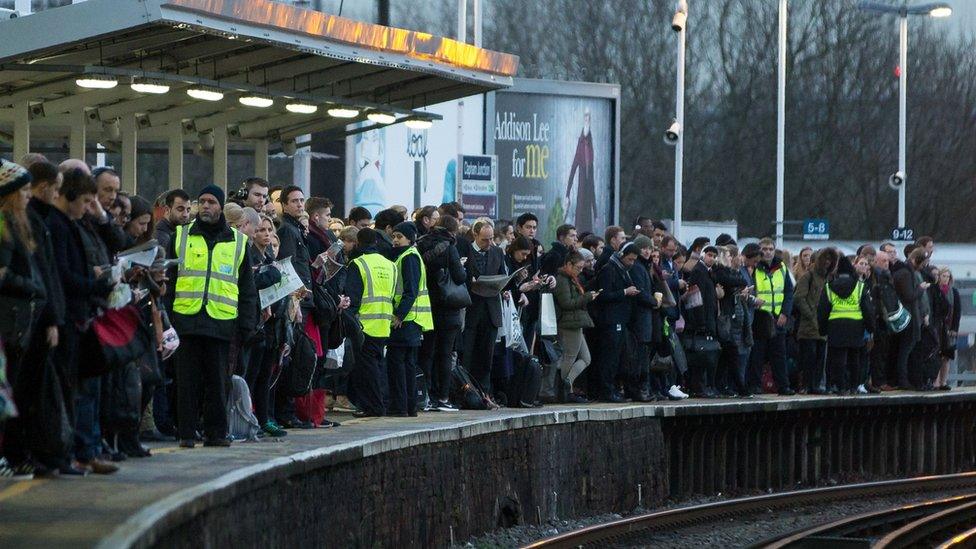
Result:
x=130 y=153
x=220 y=157
x=261 y=158
x=302 y=165
x=23 y=6
x=679 y=149
x=76 y=137
x=462 y=21
x=477 y=22
x=902 y=113
x=460 y=149
x=781 y=126
x=21 y=130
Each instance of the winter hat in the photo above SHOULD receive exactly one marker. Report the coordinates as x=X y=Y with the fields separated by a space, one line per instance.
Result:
x=587 y=254
x=214 y=190
x=12 y=177
x=629 y=248
x=724 y=239
x=642 y=242
x=407 y=229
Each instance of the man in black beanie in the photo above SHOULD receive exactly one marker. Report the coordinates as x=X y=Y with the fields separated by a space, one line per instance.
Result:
x=214 y=298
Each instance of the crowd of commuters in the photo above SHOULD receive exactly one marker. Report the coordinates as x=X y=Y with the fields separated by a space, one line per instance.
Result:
x=407 y=312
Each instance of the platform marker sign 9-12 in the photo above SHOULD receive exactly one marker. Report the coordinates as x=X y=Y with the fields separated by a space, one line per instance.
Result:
x=479 y=185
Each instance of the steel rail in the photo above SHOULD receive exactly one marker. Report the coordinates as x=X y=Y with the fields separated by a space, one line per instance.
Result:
x=657 y=520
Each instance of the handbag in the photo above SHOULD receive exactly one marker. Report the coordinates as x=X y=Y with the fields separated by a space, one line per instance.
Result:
x=662 y=364
x=454 y=296
x=547 y=315
x=724 y=328
x=699 y=343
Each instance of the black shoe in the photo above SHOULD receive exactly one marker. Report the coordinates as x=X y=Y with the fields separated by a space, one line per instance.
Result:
x=787 y=392
x=574 y=398
x=155 y=436
x=217 y=442
x=615 y=399
x=364 y=413
x=188 y=443
x=326 y=424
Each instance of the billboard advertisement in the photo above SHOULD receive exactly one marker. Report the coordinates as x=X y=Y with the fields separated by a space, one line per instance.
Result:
x=557 y=150
x=398 y=165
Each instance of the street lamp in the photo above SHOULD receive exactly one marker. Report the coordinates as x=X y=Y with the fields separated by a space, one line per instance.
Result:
x=781 y=126
x=939 y=9
x=675 y=134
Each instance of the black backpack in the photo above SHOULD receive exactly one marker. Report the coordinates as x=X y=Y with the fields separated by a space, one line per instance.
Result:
x=466 y=392
x=299 y=369
x=527 y=380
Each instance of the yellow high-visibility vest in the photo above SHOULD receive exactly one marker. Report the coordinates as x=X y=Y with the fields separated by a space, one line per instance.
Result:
x=207 y=276
x=846 y=307
x=770 y=289
x=379 y=283
x=420 y=312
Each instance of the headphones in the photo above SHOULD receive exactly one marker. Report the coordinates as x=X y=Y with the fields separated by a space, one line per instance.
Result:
x=241 y=194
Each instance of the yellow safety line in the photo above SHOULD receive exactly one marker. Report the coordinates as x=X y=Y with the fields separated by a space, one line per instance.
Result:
x=19 y=488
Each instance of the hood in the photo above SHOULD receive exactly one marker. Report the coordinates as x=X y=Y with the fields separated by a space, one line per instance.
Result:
x=843 y=285
x=845 y=267
x=825 y=262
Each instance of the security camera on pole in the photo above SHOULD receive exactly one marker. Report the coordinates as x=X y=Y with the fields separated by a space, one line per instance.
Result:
x=674 y=135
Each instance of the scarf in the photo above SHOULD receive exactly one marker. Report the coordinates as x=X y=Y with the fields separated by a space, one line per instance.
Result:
x=571 y=273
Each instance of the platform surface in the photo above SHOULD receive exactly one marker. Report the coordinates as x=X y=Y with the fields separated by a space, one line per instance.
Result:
x=106 y=510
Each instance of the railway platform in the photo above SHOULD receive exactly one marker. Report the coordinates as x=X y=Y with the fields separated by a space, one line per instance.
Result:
x=421 y=482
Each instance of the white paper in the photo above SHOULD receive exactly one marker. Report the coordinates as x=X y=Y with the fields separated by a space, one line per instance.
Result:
x=289 y=283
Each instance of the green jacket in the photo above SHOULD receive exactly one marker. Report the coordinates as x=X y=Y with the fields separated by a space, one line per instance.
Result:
x=806 y=299
x=571 y=312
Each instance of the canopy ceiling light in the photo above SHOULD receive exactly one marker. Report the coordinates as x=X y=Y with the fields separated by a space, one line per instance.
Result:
x=941 y=11
x=343 y=112
x=255 y=100
x=301 y=107
x=205 y=94
x=419 y=123
x=146 y=85
x=97 y=81
x=381 y=117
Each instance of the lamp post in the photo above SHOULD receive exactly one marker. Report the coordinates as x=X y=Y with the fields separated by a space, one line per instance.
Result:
x=939 y=9
x=781 y=126
x=675 y=133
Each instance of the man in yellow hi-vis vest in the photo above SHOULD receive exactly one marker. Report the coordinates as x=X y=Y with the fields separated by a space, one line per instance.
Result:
x=774 y=306
x=370 y=285
x=411 y=317
x=845 y=316
x=213 y=299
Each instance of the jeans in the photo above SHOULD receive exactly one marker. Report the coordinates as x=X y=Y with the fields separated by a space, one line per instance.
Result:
x=440 y=378
x=612 y=337
x=844 y=365
x=258 y=377
x=88 y=434
x=576 y=355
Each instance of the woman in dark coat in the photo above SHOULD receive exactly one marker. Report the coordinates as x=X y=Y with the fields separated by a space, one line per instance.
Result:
x=22 y=298
x=440 y=254
x=950 y=326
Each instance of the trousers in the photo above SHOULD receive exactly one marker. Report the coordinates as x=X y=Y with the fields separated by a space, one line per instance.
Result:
x=201 y=377
x=401 y=371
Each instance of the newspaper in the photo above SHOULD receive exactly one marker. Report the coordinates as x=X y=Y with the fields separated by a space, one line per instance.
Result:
x=142 y=255
x=289 y=283
x=492 y=285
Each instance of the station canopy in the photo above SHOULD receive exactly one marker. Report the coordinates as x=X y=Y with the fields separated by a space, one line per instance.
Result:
x=206 y=64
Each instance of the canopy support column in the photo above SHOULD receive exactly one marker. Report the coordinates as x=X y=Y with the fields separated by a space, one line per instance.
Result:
x=175 y=152
x=220 y=157
x=130 y=152
x=76 y=139
x=21 y=130
x=261 y=158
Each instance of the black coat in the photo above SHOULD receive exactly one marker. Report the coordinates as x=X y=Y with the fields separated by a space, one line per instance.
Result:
x=53 y=313
x=612 y=307
x=201 y=324
x=644 y=306
x=704 y=319
x=22 y=291
x=294 y=244
x=909 y=293
x=845 y=332
x=554 y=258
x=77 y=278
x=440 y=254
x=494 y=265
x=164 y=232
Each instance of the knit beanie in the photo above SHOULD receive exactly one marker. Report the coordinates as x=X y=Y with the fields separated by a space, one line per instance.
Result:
x=407 y=229
x=12 y=177
x=214 y=190
x=643 y=241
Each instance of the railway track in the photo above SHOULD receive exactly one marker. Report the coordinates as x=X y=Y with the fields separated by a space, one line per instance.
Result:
x=909 y=525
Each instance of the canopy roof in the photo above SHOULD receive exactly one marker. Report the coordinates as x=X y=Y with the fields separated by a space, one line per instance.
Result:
x=238 y=47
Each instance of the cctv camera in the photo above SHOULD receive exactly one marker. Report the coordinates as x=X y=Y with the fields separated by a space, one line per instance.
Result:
x=678 y=23
x=896 y=180
x=672 y=133
x=289 y=147
x=8 y=14
x=206 y=140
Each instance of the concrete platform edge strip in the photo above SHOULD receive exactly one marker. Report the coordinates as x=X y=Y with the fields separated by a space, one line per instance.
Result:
x=147 y=525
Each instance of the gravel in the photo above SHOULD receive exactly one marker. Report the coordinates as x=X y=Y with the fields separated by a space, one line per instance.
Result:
x=730 y=532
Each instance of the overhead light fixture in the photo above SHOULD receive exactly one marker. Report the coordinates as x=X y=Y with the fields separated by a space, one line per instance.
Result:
x=204 y=93
x=144 y=85
x=255 y=100
x=941 y=11
x=300 y=107
x=343 y=112
x=289 y=147
x=419 y=123
x=97 y=81
x=381 y=117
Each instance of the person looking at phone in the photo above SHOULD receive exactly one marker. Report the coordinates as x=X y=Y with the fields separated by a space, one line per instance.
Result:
x=571 y=318
x=611 y=315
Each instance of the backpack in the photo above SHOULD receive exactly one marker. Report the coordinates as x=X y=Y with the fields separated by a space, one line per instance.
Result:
x=298 y=369
x=241 y=421
x=894 y=314
x=527 y=380
x=466 y=392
